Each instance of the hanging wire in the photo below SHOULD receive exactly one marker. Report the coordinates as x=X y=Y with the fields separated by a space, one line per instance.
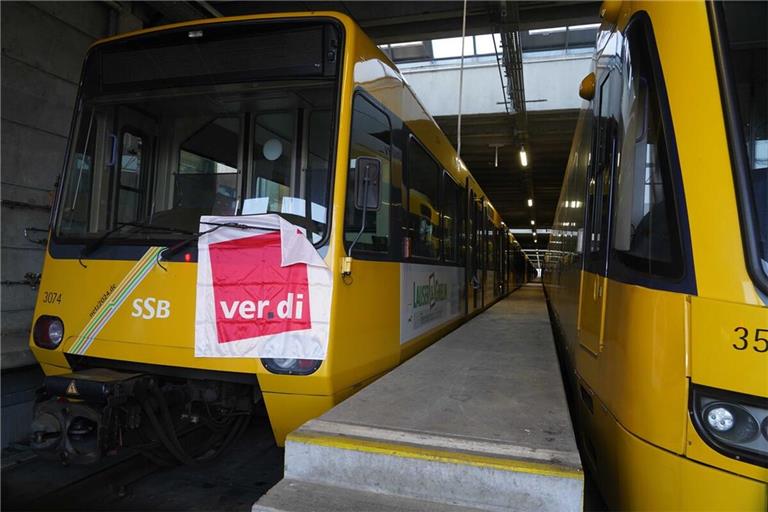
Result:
x=461 y=76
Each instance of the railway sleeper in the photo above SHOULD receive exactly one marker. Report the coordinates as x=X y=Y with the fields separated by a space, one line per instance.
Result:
x=83 y=416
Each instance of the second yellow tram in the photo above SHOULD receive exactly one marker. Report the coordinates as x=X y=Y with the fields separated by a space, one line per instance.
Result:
x=657 y=273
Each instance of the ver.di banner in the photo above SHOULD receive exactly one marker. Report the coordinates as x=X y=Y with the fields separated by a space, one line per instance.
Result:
x=262 y=290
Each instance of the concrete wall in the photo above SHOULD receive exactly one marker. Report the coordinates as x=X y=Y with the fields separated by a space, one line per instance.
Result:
x=437 y=86
x=43 y=45
x=560 y=93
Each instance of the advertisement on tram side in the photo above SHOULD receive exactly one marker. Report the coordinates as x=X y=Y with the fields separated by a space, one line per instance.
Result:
x=430 y=296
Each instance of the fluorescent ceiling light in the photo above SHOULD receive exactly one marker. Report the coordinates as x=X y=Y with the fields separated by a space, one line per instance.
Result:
x=544 y=31
x=409 y=43
x=588 y=26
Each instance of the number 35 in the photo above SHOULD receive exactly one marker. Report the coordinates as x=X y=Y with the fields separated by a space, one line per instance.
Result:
x=760 y=343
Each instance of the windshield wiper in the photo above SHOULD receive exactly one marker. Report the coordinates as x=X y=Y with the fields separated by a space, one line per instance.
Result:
x=175 y=249
x=89 y=248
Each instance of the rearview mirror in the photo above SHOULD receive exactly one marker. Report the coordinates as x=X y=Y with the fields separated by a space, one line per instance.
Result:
x=587 y=87
x=367 y=183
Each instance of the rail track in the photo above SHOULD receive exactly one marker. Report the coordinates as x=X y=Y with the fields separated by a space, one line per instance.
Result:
x=132 y=482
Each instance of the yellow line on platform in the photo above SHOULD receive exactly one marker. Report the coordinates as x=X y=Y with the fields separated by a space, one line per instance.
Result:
x=434 y=455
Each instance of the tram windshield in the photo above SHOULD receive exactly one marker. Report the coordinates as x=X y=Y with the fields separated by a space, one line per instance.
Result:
x=747 y=46
x=234 y=119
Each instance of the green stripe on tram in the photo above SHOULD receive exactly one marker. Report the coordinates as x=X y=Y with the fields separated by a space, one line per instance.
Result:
x=128 y=284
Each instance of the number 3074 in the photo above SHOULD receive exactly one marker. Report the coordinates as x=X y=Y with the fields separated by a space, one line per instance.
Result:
x=51 y=298
x=758 y=339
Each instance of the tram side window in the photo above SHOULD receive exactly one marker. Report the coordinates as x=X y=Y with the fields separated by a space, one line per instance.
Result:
x=371 y=137
x=601 y=171
x=461 y=226
x=747 y=42
x=423 y=176
x=490 y=245
x=477 y=242
x=76 y=197
x=645 y=233
x=451 y=218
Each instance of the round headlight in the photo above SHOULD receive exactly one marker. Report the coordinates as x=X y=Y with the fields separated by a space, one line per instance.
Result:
x=730 y=422
x=48 y=332
x=56 y=331
x=720 y=419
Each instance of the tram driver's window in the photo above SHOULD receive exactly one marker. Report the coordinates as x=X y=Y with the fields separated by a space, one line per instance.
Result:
x=208 y=170
x=371 y=137
x=273 y=162
x=645 y=234
x=130 y=177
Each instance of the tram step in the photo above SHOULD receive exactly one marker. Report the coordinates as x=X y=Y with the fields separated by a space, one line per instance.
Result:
x=301 y=496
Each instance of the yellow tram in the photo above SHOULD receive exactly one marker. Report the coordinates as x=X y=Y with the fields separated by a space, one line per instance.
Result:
x=297 y=115
x=657 y=274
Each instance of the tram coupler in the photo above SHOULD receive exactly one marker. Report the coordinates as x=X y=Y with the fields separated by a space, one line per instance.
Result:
x=74 y=414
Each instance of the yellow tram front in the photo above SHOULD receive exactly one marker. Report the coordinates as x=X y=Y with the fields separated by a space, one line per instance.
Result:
x=212 y=120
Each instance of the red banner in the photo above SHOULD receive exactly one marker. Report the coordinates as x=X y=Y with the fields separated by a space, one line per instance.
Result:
x=260 y=295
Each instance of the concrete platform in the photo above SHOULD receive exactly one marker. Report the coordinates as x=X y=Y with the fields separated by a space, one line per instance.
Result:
x=479 y=420
x=301 y=496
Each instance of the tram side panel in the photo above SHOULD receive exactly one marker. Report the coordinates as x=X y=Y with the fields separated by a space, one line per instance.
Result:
x=634 y=320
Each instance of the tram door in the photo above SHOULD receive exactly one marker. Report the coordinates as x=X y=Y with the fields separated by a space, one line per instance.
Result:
x=599 y=177
x=477 y=252
x=471 y=249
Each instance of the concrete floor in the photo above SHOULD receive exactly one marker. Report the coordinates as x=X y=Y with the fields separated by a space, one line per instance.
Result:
x=495 y=379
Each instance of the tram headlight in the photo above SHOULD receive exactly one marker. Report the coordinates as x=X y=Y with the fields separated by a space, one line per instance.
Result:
x=291 y=366
x=734 y=424
x=730 y=422
x=48 y=332
x=719 y=418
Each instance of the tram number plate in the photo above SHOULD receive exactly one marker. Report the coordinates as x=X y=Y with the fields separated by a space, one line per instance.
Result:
x=51 y=298
x=757 y=339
